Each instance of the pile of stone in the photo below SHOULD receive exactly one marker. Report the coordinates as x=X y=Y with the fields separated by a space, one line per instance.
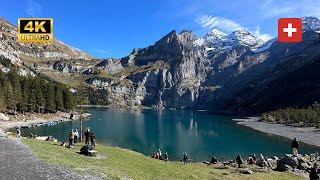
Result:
x=290 y=162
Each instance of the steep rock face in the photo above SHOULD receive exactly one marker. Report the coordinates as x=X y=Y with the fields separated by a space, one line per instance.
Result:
x=219 y=72
x=111 y=66
x=64 y=67
x=166 y=74
x=120 y=95
x=18 y=52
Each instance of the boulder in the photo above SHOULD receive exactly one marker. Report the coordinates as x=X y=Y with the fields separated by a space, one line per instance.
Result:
x=292 y=161
x=284 y=167
x=245 y=171
x=303 y=164
x=3 y=117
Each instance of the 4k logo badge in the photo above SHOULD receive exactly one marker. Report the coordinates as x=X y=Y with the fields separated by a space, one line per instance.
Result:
x=35 y=30
x=289 y=30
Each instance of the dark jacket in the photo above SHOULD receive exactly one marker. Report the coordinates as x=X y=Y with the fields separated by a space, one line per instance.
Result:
x=295 y=144
x=92 y=137
x=239 y=160
x=86 y=134
x=314 y=174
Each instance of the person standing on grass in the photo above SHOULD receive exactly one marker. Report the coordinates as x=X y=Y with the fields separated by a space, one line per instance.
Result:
x=87 y=136
x=295 y=146
x=239 y=160
x=93 y=140
x=71 y=138
x=185 y=158
x=76 y=135
x=166 y=157
x=160 y=154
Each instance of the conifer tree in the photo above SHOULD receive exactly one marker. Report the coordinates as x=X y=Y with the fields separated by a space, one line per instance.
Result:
x=50 y=97
x=59 y=99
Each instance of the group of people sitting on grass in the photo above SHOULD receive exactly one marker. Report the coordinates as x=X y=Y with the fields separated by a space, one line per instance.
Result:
x=165 y=157
x=160 y=156
x=261 y=161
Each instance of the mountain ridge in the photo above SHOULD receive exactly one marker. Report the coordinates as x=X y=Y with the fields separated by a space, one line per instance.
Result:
x=182 y=71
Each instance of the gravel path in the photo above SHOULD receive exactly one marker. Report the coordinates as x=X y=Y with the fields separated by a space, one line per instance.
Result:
x=17 y=162
x=307 y=135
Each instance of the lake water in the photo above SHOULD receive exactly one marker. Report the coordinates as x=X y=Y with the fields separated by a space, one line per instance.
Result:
x=200 y=134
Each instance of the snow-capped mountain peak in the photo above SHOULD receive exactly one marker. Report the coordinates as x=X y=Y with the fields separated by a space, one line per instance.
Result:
x=310 y=23
x=214 y=34
x=217 y=40
x=244 y=37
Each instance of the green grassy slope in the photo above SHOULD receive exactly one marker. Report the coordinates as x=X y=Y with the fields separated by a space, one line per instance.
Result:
x=119 y=163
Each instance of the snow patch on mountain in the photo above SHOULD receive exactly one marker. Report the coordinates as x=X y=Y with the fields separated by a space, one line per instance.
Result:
x=266 y=46
x=217 y=40
x=310 y=23
x=199 y=42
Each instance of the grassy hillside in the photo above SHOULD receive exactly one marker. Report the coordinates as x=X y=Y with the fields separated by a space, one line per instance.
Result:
x=119 y=163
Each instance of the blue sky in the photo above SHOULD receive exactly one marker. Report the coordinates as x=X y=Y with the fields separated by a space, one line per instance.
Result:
x=113 y=28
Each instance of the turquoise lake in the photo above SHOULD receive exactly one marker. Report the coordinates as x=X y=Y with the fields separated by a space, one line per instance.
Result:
x=200 y=134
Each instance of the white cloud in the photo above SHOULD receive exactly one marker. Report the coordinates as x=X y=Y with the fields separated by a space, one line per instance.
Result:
x=224 y=24
x=271 y=8
x=101 y=51
x=264 y=37
x=34 y=9
x=289 y=8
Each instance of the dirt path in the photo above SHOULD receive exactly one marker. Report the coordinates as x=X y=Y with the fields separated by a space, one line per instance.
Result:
x=17 y=162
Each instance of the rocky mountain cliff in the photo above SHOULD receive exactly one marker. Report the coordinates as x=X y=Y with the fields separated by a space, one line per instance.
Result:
x=219 y=72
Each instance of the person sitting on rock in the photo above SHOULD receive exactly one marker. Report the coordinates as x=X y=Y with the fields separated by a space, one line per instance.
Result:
x=261 y=162
x=251 y=161
x=314 y=172
x=214 y=160
x=295 y=146
x=239 y=160
x=254 y=157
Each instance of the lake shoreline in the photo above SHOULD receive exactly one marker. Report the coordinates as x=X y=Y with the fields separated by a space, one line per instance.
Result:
x=35 y=118
x=308 y=135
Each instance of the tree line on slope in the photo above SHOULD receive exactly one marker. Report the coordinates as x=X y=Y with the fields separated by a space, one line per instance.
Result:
x=32 y=94
x=309 y=116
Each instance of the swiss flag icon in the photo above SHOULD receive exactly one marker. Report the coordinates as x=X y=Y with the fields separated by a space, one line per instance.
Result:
x=289 y=30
